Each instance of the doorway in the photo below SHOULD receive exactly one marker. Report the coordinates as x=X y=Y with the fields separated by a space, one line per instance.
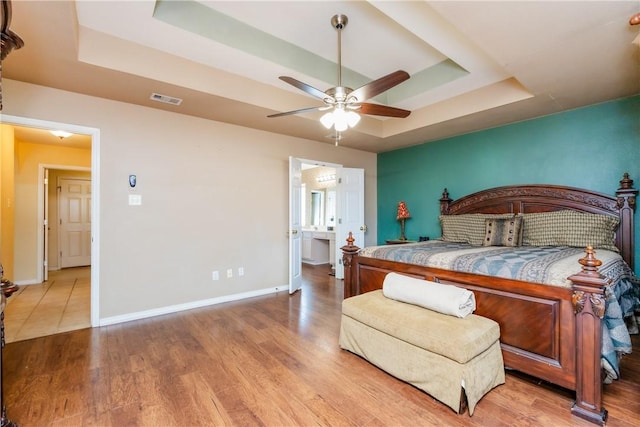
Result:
x=305 y=216
x=338 y=209
x=94 y=203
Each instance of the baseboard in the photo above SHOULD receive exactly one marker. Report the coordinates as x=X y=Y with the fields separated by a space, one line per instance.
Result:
x=314 y=262
x=27 y=282
x=188 y=306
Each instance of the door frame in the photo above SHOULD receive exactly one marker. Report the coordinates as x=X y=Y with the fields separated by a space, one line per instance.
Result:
x=95 y=200
x=45 y=227
x=42 y=198
x=315 y=163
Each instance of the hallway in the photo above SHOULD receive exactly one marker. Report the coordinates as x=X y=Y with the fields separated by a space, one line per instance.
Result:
x=61 y=304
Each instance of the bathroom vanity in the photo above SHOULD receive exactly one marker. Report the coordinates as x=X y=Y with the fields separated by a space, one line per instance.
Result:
x=318 y=247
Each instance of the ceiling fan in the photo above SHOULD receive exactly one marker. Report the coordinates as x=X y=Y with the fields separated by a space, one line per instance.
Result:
x=345 y=103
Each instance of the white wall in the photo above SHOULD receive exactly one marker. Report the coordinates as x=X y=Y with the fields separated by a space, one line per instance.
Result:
x=214 y=196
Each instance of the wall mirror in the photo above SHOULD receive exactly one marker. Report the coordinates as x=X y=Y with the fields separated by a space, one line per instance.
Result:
x=319 y=198
x=317 y=208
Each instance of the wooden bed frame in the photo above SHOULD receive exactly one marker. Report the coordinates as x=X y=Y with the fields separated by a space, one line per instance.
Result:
x=564 y=347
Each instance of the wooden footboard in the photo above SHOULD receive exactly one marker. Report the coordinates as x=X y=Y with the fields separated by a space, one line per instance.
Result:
x=547 y=332
x=551 y=333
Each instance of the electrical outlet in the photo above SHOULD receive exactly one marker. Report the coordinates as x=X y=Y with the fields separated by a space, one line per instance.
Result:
x=229 y=273
x=240 y=271
x=215 y=275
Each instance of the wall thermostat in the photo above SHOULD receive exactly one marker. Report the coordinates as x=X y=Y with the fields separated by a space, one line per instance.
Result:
x=132 y=181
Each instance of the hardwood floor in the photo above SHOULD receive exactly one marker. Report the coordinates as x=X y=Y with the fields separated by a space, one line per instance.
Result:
x=271 y=360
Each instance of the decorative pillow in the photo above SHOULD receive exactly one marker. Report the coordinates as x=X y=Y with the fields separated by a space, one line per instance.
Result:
x=570 y=228
x=503 y=231
x=466 y=228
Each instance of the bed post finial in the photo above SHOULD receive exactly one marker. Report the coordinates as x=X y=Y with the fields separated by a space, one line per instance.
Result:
x=348 y=252
x=350 y=239
x=445 y=201
x=626 y=193
x=626 y=182
x=590 y=263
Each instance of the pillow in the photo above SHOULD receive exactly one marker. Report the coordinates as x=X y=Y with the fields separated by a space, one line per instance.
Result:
x=503 y=231
x=445 y=299
x=466 y=228
x=570 y=228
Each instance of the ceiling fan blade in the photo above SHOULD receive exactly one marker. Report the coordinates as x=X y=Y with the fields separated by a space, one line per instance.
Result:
x=382 y=110
x=378 y=86
x=302 y=110
x=304 y=87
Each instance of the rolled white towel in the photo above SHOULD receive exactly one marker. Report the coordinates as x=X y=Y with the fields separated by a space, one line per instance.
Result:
x=446 y=299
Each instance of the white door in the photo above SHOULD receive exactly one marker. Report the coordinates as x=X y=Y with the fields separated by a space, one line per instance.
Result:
x=350 y=211
x=75 y=222
x=45 y=227
x=295 y=224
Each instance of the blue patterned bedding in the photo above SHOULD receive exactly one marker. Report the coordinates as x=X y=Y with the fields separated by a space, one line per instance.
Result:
x=550 y=265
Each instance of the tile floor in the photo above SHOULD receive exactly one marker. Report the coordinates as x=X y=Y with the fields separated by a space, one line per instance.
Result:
x=61 y=304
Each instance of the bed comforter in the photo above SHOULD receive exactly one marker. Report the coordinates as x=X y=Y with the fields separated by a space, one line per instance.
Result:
x=549 y=265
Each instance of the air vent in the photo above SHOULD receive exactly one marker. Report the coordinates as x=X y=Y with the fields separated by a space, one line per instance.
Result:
x=166 y=99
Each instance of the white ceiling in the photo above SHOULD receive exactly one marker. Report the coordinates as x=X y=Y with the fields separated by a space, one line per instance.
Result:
x=473 y=65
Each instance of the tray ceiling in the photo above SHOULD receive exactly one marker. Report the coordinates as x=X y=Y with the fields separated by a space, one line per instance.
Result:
x=473 y=65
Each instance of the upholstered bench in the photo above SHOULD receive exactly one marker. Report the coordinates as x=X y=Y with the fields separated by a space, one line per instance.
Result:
x=448 y=357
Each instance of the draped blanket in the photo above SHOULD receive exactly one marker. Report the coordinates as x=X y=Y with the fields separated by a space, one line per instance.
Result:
x=550 y=265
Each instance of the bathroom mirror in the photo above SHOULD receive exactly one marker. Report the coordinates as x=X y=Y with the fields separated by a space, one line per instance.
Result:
x=317 y=207
x=319 y=197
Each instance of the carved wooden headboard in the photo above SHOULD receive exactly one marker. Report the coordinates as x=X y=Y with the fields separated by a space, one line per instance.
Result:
x=547 y=198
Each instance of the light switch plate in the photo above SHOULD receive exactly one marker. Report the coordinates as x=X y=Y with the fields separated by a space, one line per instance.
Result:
x=135 y=199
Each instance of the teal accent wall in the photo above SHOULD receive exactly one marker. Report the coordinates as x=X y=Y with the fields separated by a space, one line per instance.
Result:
x=590 y=147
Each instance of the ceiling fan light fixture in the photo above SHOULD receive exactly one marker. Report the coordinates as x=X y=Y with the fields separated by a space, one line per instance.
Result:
x=340 y=119
x=342 y=100
x=340 y=122
x=327 y=120
x=353 y=118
